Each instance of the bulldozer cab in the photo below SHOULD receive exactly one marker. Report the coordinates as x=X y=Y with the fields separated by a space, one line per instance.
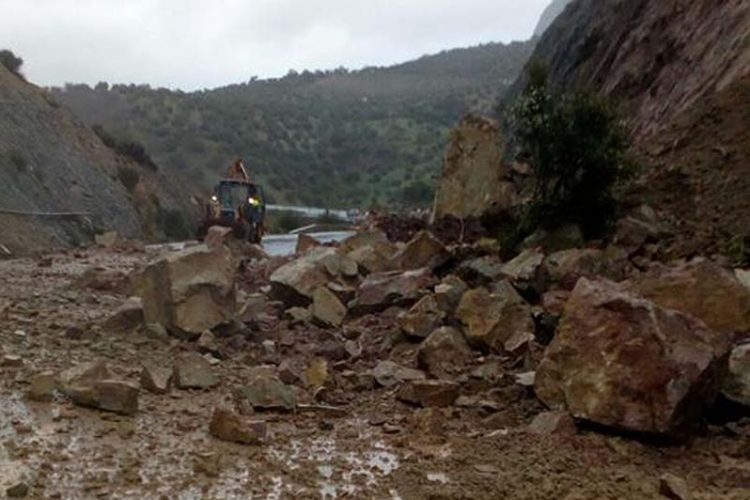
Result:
x=238 y=204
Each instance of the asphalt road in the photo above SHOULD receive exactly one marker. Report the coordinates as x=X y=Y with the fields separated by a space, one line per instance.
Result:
x=284 y=244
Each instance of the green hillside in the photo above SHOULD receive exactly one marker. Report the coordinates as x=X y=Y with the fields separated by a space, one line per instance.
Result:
x=336 y=138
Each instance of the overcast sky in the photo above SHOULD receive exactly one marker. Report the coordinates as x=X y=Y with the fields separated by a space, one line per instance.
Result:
x=193 y=44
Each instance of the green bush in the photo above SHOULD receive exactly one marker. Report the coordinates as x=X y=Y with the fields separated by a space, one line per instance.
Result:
x=11 y=62
x=579 y=148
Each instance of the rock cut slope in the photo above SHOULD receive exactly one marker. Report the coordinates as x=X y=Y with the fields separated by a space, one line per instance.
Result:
x=680 y=71
x=50 y=162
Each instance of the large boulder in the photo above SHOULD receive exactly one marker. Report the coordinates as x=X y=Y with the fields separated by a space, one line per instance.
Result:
x=296 y=282
x=623 y=362
x=737 y=384
x=702 y=289
x=380 y=291
x=424 y=250
x=495 y=321
x=189 y=292
x=473 y=178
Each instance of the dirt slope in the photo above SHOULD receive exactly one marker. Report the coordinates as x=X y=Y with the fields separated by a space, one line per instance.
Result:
x=51 y=162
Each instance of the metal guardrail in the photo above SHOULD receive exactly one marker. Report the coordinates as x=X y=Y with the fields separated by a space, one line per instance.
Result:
x=44 y=214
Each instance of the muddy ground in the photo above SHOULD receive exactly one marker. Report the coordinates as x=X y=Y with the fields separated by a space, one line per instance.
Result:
x=377 y=448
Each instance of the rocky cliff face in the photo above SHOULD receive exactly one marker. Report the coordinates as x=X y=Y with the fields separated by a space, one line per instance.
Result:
x=549 y=15
x=680 y=71
x=50 y=162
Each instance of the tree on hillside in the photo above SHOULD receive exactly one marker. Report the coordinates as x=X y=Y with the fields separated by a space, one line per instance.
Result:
x=579 y=149
x=11 y=62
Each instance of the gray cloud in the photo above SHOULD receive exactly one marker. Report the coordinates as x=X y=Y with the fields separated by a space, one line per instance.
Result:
x=207 y=43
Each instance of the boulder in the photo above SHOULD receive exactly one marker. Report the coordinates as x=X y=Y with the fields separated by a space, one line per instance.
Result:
x=327 y=310
x=674 y=487
x=481 y=271
x=422 y=319
x=737 y=384
x=295 y=283
x=424 y=250
x=701 y=289
x=623 y=362
x=372 y=251
x=496 y=322
x=445 y=352
x=567 y=267
x=189 y=292
x=381 y=291
x=429 y=393
x=525 y=268
x=155 y=377
x=473 y=177
x=83 y=374
x=563 y=238
x=266 y=392
x=305 y=243
x=218 y=237
x=298 y=315
x=127 y=317
x=390 y=374
x=449 y=292
x=193 y=371
x=632 y=234
x=207 y=343
x=229 y=426
x=108 y=395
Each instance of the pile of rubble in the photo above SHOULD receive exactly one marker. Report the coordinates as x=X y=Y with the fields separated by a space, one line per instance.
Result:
x=602 y=334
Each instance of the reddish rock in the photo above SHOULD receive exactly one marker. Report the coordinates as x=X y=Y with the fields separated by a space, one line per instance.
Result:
x=622 y=361
x=702 y=289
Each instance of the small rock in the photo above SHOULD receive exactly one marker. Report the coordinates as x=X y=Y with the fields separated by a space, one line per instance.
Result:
x=18 y=490
x=525 y=379
x=207 y=343
x=43 y=387
x=316 y=374
x=107 y=240
x=390 y=374
x=674 y=487
x=288 y=373
x=229 y=426
x=424 y=250
x=193 y=371
x=156 y=378
x=429 y=393
x=109 y=395
x=299 y=315
x=554 y=422
x=267 y=393
x=11 y=361
x=83 y=374
x=20 y=334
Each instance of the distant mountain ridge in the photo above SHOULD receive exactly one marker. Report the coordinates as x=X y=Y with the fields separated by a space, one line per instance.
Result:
x=337 y=138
